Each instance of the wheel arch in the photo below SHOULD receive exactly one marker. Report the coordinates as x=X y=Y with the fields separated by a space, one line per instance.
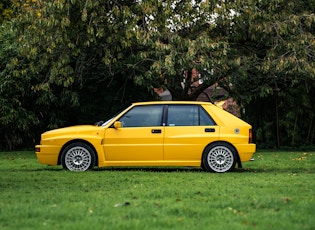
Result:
x=238 y=159
x=78 y=141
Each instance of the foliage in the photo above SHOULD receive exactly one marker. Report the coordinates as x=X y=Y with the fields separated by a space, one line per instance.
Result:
x=77 y=61
x=68 y=48
x=275 y=190
x=277 y=60
x=16 y=117
x=6 y=11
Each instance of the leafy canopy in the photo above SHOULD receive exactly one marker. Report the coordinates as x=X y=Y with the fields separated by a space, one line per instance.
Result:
x=71 y=61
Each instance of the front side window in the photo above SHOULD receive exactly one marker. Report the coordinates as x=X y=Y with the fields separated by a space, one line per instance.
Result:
x=188 y=115
x=143 y=116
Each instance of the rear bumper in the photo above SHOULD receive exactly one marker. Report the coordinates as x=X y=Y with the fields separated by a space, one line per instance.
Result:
x=245 y=151
x=47 y=154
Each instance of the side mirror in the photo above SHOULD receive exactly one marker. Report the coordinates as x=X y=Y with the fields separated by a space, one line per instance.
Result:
x=117 y=125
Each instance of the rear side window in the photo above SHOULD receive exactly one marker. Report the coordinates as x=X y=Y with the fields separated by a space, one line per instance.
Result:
x=143 y=116
x=188 y=115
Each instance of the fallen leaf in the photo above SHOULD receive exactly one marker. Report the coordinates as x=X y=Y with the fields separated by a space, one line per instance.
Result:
x=127 y=203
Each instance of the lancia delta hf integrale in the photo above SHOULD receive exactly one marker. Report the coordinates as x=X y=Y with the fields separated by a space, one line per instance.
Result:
x=159 y=133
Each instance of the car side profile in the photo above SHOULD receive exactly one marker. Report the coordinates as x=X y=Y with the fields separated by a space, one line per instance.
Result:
x=161 y=133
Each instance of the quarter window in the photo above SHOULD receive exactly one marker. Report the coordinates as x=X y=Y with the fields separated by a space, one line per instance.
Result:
x=188 y=115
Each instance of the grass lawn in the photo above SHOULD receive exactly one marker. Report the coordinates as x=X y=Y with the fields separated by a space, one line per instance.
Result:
x=276 y=191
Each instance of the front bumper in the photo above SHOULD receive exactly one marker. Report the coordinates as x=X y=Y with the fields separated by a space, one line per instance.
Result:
x=47 y=154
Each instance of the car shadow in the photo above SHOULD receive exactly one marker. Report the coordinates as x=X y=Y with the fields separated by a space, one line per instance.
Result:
x=276 y=170
x=32 y=170
x=168 y=170
x=150 y=169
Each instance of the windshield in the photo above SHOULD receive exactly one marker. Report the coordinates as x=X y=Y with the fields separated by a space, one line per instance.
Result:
x=106 y=122
x=102 y=123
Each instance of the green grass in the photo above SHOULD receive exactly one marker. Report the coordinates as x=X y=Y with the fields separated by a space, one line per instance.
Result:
x=276 y=191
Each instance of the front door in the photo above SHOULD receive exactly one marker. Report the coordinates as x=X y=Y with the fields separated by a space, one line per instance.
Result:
x=139 y=139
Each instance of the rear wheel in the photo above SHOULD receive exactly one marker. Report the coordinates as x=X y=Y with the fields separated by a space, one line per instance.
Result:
x=219 y=157
x=78 y=157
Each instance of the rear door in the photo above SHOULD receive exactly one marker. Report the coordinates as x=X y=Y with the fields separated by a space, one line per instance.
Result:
x=189 y=129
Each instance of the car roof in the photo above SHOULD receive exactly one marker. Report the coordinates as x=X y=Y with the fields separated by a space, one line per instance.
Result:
x=172 y=103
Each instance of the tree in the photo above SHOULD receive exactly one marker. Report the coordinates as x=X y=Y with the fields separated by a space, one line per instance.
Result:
x=68 y=61
x=59 y=50
x=6 y=12
x=274 y=41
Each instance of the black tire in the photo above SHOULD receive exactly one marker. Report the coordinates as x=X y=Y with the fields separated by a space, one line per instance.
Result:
x=203 y=166
x=219 y=157
x=78 y=157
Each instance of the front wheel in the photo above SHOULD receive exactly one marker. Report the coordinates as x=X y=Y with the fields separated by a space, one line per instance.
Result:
x=78 y=157
x=219 y=157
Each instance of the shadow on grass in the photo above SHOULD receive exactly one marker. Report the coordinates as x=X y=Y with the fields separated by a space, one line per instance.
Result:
x=200 y=170
x=168 y=170
x=276 y=170
x=150 y=169
x=32 y=170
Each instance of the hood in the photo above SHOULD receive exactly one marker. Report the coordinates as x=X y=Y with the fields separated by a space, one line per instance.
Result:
x=75 y=130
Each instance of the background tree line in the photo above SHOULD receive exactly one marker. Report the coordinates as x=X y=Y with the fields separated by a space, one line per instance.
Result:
x=70 y=62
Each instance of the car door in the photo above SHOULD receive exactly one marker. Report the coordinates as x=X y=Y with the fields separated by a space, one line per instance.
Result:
x=189 y=129
x=139 y=139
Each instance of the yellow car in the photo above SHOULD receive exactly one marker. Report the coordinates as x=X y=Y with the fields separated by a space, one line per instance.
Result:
x=153 y=134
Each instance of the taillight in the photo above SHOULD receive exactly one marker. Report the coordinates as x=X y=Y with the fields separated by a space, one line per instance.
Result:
x=250 y=136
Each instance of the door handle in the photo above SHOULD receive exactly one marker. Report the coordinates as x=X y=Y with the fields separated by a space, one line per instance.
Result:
x=209 y=130
x=156 y=131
